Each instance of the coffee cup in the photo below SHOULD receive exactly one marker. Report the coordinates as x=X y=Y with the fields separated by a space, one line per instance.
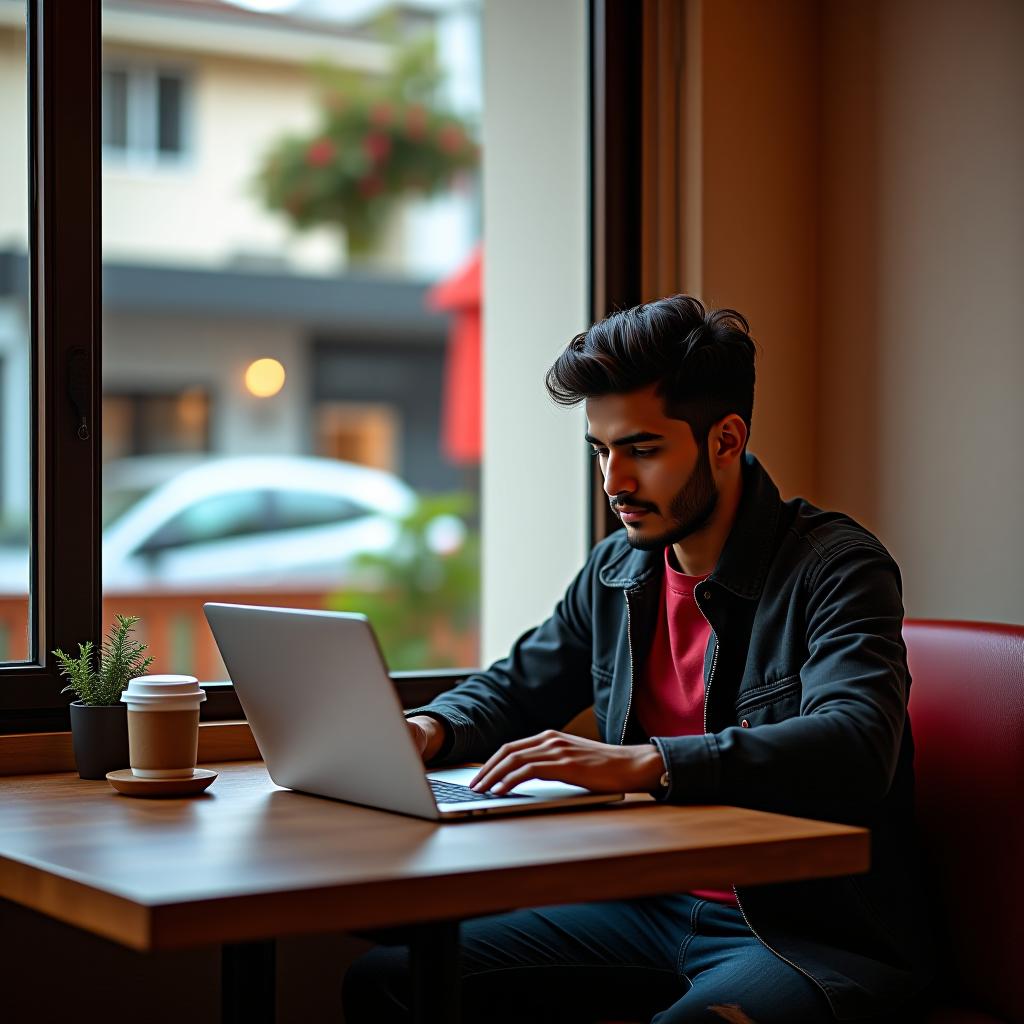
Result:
x=163 y=725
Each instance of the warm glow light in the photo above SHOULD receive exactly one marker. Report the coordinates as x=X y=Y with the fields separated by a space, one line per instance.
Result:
x=264 y=377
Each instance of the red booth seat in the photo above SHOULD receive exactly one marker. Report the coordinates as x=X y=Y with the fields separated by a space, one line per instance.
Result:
x=967 y=711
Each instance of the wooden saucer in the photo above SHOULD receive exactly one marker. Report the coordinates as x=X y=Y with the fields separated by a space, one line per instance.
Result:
x=131 y=785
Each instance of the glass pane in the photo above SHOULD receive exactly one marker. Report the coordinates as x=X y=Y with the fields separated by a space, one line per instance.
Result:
x=169 y=114
x=115 y=109
x=15 y=340
x=292 y=321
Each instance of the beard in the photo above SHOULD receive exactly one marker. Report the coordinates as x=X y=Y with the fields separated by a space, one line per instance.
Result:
x=690 y=509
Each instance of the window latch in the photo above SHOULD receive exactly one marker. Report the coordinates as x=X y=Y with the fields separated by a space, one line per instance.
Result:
x=79 y=389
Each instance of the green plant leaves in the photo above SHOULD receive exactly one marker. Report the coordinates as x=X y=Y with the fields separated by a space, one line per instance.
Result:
x=120 y=659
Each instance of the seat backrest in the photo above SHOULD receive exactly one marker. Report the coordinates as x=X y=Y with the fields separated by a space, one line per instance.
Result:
x=967 y=713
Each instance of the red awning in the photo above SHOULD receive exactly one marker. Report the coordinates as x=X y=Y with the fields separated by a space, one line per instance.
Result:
x=460 y=295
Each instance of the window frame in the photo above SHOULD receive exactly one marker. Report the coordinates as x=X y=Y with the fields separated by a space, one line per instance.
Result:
x=65 y=178
x=616 y=191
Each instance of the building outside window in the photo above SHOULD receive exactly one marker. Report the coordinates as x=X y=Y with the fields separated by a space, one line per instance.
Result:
x=278 y=378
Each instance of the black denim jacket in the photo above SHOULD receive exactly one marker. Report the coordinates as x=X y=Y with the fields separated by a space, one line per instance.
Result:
x=806 y=649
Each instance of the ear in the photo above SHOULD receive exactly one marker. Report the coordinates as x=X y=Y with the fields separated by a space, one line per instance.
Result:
x=727 y=439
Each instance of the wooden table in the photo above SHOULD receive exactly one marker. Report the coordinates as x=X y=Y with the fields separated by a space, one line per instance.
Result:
x=247 y=863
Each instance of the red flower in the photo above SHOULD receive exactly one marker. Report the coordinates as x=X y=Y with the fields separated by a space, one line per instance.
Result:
x=377 y=146
x=370 y=186
x=450 y=138
x=320 y=153
x=416 y=122
x=382 y=114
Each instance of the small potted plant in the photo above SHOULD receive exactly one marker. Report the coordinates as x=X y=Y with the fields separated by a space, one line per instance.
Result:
x=99 y=721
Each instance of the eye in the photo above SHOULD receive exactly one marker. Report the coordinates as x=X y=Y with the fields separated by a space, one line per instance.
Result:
x=644 y=453
x=598 y=452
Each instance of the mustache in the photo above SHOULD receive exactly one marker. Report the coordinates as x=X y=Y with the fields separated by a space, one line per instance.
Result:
x=617 y=504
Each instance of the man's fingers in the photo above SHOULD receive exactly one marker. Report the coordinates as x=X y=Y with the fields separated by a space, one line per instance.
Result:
x=487 y=777
x=492 y=773
x=513 y=753
x=551 y=770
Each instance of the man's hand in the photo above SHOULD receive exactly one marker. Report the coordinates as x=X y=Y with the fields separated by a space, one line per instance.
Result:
x=427 y=733
x=557 y=756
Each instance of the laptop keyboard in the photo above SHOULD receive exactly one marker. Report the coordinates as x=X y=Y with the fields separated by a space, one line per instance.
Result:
x=453 y=793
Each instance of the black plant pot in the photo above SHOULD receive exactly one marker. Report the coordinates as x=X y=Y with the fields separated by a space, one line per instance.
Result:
x=99 y=736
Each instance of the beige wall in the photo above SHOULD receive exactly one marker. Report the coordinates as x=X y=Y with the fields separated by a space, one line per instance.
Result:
x=936 y=210
x=859 y=169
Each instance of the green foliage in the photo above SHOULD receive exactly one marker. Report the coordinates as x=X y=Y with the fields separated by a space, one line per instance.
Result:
x=378 y=138
x=423 y=602
x=121 y=659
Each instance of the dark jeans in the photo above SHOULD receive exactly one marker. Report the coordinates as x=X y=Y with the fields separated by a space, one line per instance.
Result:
x=668 y=959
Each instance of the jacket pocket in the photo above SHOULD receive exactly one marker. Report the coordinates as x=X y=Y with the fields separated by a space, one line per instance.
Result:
x=773 y=702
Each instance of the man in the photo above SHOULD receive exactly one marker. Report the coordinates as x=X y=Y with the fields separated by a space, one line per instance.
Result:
x=737 y=649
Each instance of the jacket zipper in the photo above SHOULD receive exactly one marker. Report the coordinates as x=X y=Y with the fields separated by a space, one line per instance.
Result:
x=714 y=662
x=736 y=895
x=771 y=949
x=629 y=644
x=711 y=674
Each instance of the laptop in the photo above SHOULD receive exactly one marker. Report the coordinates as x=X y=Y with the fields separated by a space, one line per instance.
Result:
x=327 y=720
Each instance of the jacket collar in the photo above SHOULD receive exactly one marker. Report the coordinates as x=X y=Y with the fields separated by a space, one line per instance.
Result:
x=748 y=551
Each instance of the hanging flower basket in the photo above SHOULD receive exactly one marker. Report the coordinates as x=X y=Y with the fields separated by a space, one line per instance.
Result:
x=378 y=140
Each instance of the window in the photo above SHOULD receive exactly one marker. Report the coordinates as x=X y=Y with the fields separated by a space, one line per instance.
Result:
x=144 y=113
x=155 y=424
x=372 y=363
x=15 y=349
x=49 y=408
x=285 y=318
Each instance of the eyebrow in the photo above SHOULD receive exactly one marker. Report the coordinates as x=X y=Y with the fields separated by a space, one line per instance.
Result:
x=642 y=435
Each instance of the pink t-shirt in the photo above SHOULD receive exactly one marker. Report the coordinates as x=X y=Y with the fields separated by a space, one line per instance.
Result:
x=670 y=695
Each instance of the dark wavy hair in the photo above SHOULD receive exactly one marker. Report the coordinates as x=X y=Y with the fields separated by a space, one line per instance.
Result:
x=701 y=360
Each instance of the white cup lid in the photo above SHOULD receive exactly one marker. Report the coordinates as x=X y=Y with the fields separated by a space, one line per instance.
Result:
x=162 y=687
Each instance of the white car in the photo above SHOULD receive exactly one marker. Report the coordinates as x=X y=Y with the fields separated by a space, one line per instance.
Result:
x=181 y=522
x=253 y=521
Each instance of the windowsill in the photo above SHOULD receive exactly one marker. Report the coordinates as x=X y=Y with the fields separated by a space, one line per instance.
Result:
x=42 y=753
x=38 y=753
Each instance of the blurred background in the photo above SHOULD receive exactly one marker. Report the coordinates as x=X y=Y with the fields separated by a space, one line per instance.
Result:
x=291 y=324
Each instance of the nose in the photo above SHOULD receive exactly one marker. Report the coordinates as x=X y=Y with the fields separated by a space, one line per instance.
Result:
x=617 y=480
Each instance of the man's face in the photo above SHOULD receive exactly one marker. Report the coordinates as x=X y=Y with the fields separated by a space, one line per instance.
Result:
x=659 y=482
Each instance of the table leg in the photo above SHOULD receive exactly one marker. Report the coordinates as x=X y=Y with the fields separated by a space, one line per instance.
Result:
x=248 y=983
x=434 y=961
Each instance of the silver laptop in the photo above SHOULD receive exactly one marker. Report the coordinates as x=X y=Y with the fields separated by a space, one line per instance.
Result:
x=327 y=720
